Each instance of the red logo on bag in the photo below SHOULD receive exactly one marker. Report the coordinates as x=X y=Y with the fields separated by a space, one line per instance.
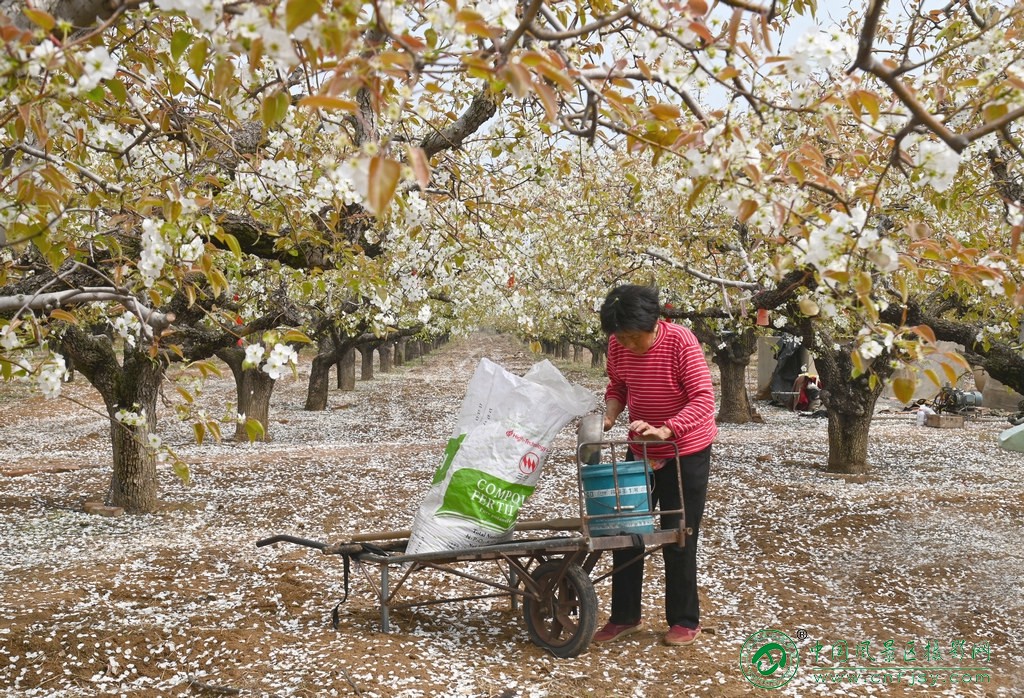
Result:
x=528 y=463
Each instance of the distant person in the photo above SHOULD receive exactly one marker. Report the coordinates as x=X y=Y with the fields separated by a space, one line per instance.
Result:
x=657 y=369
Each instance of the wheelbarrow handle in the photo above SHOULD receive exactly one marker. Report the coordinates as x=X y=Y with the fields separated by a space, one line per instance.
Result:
x=292 y=539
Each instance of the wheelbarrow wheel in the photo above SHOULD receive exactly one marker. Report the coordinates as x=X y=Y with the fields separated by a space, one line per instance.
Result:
x=563 y=617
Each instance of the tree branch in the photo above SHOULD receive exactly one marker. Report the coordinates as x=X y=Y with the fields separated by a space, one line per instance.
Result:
x=102 y=183
x=701 y=275
x=482 y=108
x=19 y=303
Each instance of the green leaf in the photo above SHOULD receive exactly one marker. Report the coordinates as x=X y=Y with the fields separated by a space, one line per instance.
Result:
x=207 y=369
x=254 y=430
x=295 y=336
x=117 y=90
x=283 y=101
x=179 y=42
x=992 y=112
x=903 y=389
x=858 y=364
x=181 y=470
x=298 y=12
x=197 y=56
x=274 y=108
x=43 y=20
x=176 y=81
x=232 y=242
x=200 y=432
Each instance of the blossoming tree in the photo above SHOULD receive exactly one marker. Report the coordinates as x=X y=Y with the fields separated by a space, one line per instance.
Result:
x=152 y=152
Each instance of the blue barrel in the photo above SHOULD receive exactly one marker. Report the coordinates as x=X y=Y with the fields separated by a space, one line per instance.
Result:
x=633 y=511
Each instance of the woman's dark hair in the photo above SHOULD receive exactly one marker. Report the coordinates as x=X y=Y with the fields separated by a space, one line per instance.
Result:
x=630 y=307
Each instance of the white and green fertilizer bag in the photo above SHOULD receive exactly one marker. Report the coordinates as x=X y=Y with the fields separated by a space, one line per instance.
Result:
x=495 y=456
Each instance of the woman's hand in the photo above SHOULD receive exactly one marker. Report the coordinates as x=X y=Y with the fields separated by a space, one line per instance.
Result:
x=645 y=431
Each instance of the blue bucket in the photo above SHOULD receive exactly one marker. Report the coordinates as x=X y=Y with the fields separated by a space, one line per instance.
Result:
x=633 y=512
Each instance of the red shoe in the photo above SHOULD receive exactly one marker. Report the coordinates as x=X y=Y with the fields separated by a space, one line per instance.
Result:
x=681 y=635
x=614 y=631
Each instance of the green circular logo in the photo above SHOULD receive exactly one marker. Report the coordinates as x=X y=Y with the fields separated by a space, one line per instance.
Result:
x=769 y=659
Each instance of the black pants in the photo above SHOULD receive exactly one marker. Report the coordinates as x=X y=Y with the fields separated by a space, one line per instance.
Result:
x=682 y=605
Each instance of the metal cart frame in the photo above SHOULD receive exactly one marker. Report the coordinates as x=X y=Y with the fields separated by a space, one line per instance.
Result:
x=552 y=575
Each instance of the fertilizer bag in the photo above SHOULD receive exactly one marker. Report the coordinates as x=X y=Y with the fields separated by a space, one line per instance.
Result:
x=493 y=460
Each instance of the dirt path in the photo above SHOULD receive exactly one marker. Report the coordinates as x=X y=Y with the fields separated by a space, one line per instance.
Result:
x=924 y=555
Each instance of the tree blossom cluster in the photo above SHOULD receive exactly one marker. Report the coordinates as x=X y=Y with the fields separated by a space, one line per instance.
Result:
x=281 y=358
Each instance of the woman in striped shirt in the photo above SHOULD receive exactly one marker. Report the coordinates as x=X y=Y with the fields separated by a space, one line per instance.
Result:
x=657 y=370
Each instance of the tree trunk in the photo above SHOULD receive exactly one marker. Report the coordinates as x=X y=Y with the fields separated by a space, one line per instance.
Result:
x=849 y=402
x=400 y=351
x=133 y=484
x=412 y=349
x=848 y=441
x=732 y=356
x=131 y=386
x=597 y=357
x=319 y=380
x=385 y=353
x=735 y=406
x=366 y=362
x=347 y=370
x=253 y=389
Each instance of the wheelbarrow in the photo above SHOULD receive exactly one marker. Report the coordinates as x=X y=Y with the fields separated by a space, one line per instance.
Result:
x=551 y=575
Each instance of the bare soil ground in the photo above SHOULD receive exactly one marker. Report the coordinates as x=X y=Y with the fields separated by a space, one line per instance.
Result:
x=926 y=554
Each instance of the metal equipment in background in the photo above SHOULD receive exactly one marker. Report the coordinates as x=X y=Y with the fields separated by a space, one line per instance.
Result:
x=955 y=401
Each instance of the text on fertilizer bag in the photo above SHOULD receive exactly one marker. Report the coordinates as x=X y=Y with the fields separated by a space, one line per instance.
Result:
x=523 y=440
x=487 y=500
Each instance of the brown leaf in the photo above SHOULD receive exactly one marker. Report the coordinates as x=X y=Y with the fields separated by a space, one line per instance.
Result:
x=382 y=183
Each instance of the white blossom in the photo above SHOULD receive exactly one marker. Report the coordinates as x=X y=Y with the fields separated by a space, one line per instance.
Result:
x=938 y=164
x=97 y=65
x=154 y=251
x=8 y=338
x=208 y=13
x=130 y=417
x=41 y=59
x=279 y=358
x=127 y=326
x=870 y=349
x=192 y=250
x=253 y=355
x=51 y=376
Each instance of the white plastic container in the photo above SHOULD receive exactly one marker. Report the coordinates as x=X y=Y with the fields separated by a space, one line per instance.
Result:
x=1013 y=438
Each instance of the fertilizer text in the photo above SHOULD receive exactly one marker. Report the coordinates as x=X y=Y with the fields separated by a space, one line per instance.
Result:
x=497 y=499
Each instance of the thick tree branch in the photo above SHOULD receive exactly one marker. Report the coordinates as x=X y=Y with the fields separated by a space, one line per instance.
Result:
x=154 y=320
x=479 y=111
x=1002 y=361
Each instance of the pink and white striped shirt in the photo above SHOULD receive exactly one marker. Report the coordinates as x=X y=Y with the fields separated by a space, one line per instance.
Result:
x=668 y=384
